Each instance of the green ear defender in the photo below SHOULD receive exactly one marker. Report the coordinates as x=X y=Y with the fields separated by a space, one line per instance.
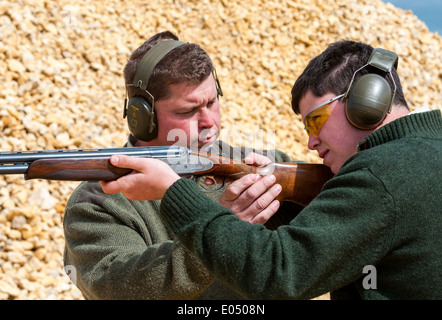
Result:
x=371 y=98
x=140 y=113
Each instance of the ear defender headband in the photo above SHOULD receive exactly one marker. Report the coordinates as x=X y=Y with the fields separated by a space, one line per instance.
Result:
x=141 y=116
x=371 y=98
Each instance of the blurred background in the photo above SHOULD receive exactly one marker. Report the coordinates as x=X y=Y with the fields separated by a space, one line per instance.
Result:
x=61 y=87
x=429 y=11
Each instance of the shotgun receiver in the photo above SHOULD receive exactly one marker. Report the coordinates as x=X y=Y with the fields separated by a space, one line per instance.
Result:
x=301 y=182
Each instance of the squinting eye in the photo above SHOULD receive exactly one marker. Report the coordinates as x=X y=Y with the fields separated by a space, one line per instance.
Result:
x=188 y=112
x=316 y=118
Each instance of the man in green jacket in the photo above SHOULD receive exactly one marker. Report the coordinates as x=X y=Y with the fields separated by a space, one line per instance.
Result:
x=120 y=249
x=374 y=231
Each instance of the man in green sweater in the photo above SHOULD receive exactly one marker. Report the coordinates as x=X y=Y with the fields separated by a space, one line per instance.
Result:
x=120 y=249
x=374 y=231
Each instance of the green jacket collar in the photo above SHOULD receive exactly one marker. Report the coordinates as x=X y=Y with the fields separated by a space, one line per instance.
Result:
x=422 y=124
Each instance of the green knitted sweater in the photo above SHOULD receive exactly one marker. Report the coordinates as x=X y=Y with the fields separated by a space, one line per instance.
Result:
x=374 y=232
x=121 y=249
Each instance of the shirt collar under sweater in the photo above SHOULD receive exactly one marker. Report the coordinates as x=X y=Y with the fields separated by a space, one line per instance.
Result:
x=422 y=124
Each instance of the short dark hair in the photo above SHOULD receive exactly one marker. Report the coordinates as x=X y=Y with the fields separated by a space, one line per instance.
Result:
x=332 y=70
x=188 y=63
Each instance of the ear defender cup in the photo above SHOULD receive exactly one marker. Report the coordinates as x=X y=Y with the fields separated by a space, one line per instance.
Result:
x=371 y=97
x=141 y=117
x=368 y=102
x=141 y=120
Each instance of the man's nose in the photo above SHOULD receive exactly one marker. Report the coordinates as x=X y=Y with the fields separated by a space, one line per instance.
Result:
x=313 y=142
x=205 y=118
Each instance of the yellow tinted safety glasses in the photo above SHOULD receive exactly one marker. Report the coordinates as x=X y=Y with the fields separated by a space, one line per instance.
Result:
x=316 y=118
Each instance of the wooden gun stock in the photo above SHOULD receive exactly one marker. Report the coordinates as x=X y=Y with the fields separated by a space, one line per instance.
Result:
x=301 y=182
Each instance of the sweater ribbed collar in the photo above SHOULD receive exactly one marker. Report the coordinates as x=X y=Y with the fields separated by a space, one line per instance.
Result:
x=423 y=124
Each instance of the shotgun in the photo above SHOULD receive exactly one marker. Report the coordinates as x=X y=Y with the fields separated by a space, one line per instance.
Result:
x=300 y=181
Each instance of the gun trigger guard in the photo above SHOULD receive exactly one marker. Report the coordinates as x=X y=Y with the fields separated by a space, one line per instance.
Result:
x=214 y=181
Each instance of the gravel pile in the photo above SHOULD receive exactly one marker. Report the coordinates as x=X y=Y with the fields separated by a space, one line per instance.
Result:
x=61 y=86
